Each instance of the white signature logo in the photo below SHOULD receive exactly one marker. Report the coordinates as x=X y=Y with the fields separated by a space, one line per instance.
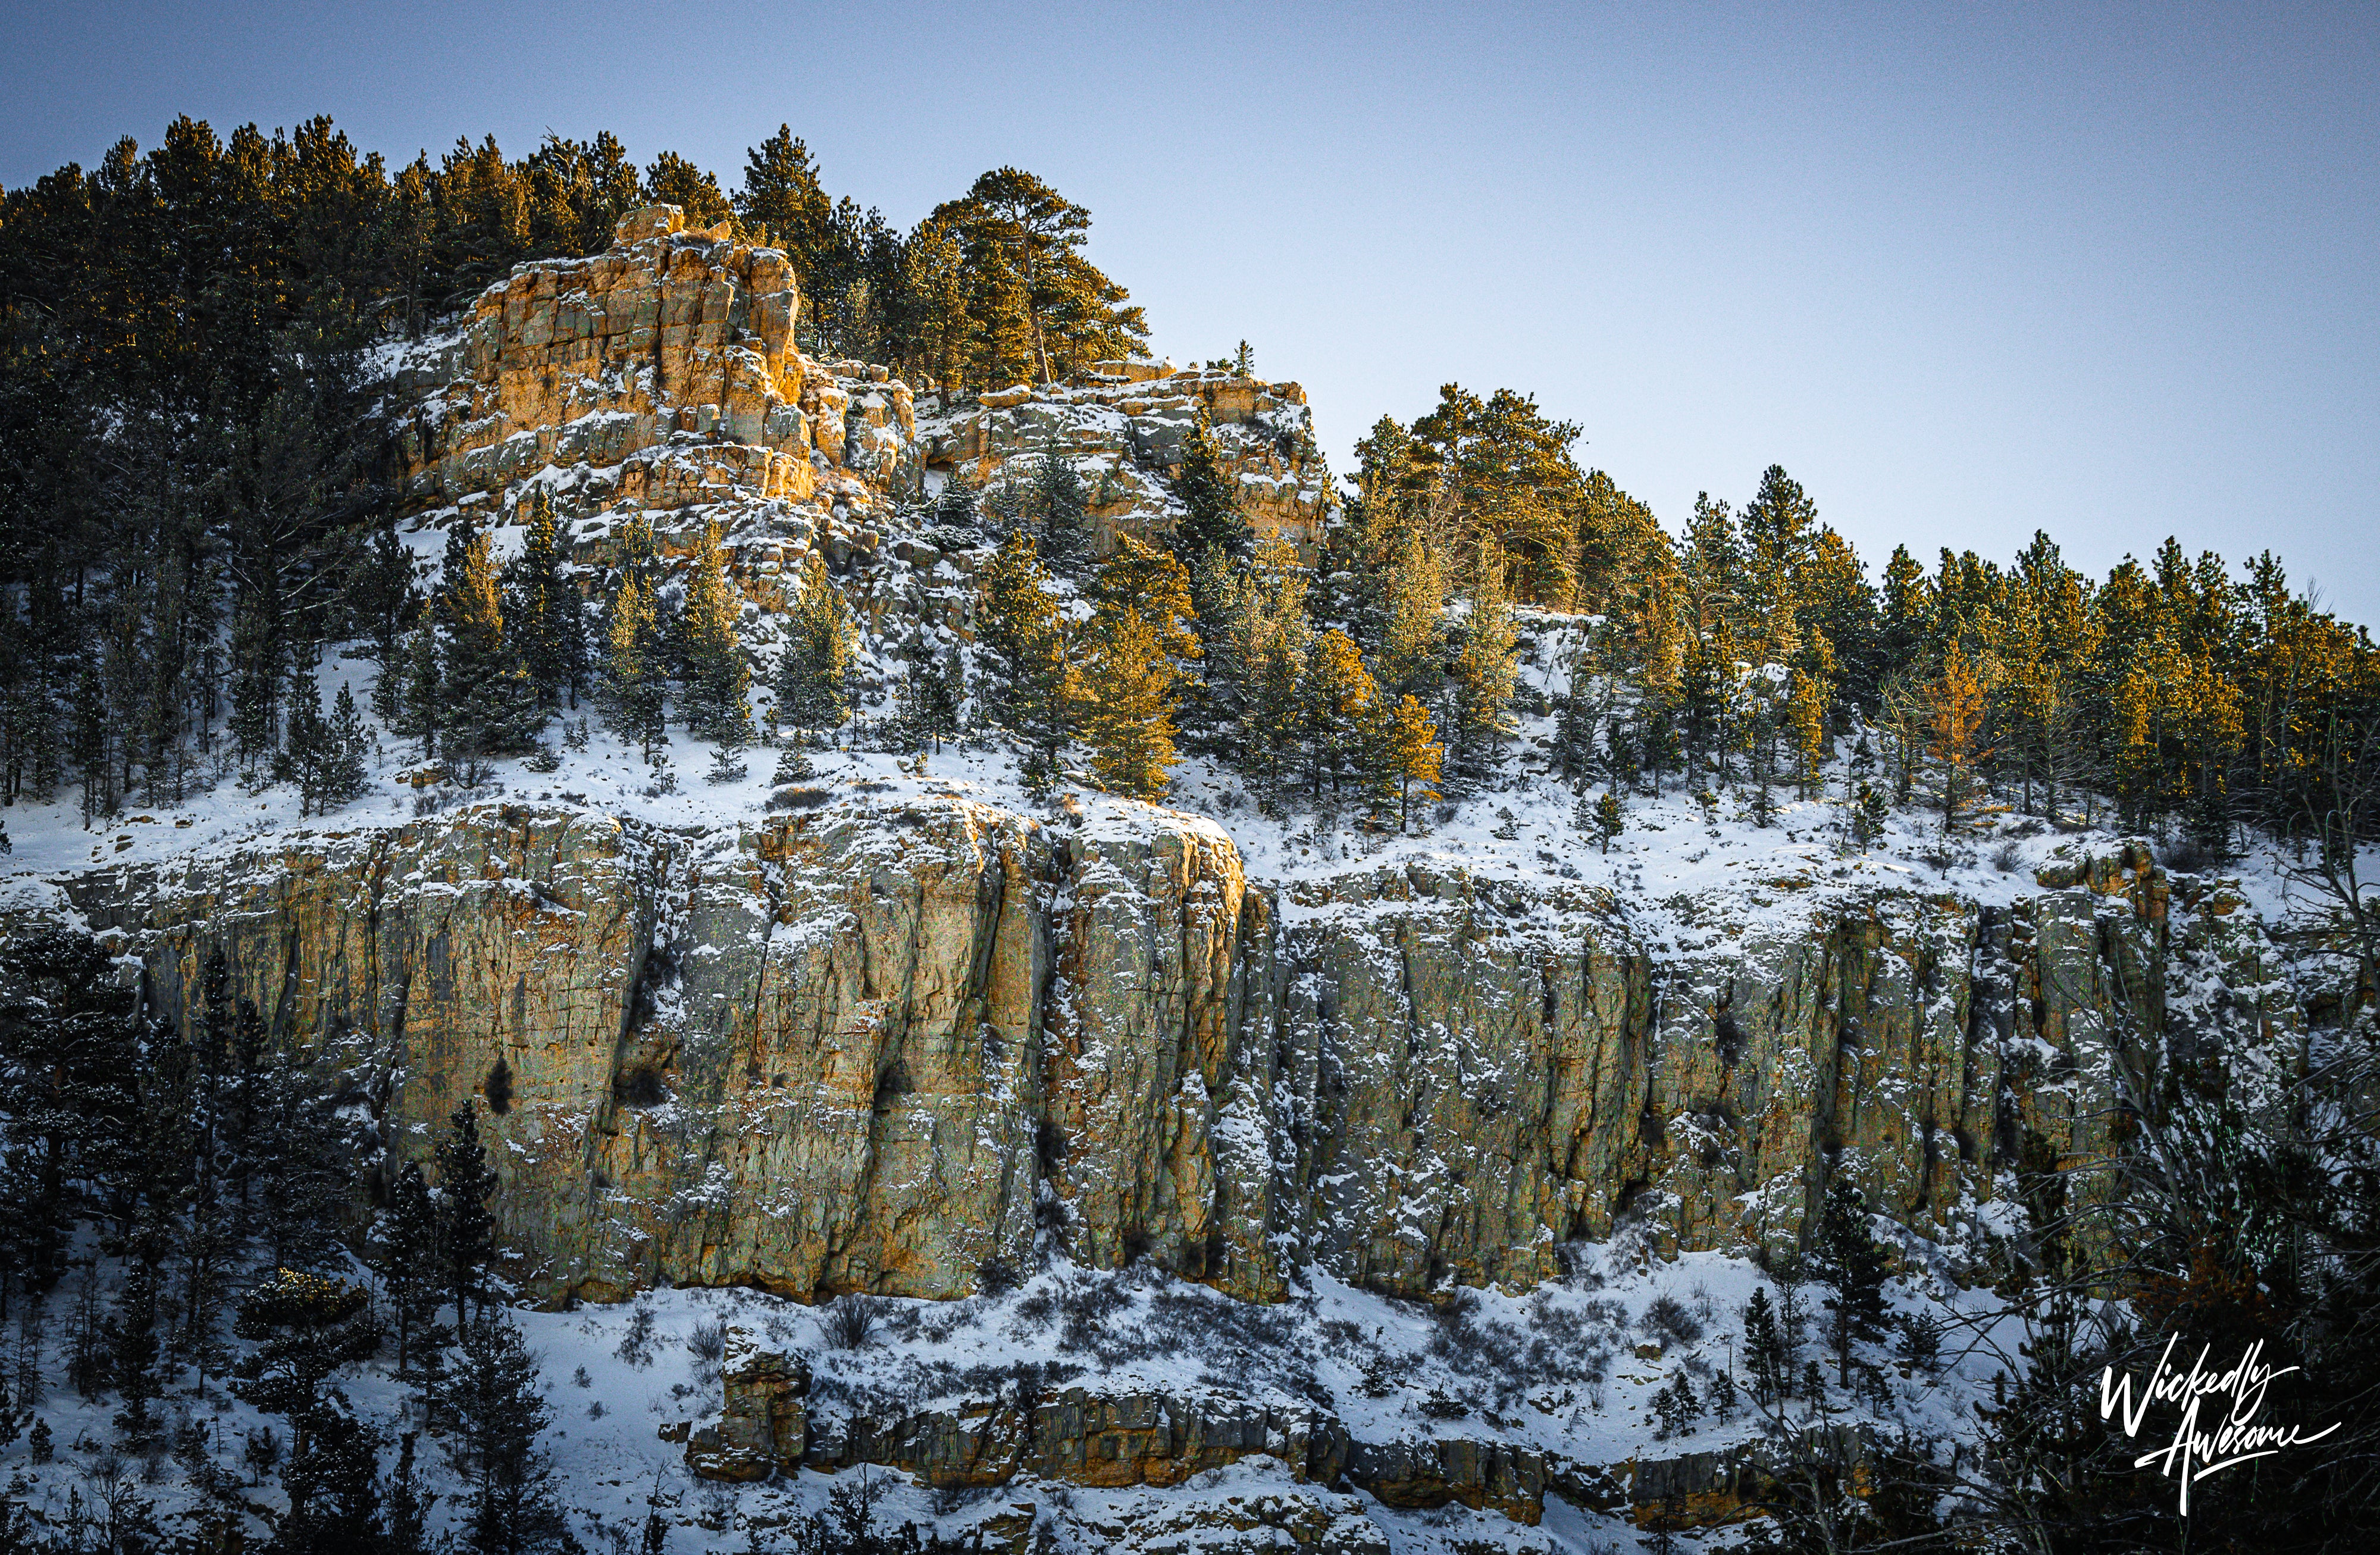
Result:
x=2197 y=1452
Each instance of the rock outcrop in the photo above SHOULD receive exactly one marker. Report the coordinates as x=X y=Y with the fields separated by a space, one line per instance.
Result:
x=604 y=361
x=1107 y=1439
x=1126 y=423
x=1086 y=1436
x=661 y=381
x=763 y=1426
x=873 y=1049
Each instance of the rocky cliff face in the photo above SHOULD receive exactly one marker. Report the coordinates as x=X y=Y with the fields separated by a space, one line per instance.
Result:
x=662 y=380
x=1115 y=1438
x=602 y=361
x=873 y=1048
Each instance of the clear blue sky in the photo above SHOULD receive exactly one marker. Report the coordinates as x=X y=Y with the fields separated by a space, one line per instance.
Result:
x=1963 y=270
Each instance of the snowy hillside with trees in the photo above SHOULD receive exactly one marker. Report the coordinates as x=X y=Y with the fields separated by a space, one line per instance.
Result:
x=747 y=526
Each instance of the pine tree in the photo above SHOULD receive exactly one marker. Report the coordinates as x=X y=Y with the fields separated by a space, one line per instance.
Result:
x=1758 y=726
x=332 y=1478
x=1805 y=713
x=411 y=1264
x=815 y=668
x=408 y=1504
x=490 y=707
x=1581 y=714
x=1869 y=811
x=1955 y=706
x=1040 y=311
x=1609 y=819
x=794 y=766
x=1022 y=632
x=1845 y=1258
x=716 y=679
x=1253 y=652
x=1764 y=1352
x=500 y=1411
x=467 y=1227
x=957 y=504
x=384 y=595
x=636 y=681
x=134 y=1334
x=419 y=700
x=1137 y=638
x=300 y=1159
x=548 y=624
x=208 y=1239
x=783 y=200
x=1484 y=676
x=1415 y=757
x=1211 y=519
x=1905 y=614
x=1060 y=508
x=345 y=776
x=1498 y=481
x=1703 y=679
x=247 y=1140
x=256 y=654
x=307 y=756
x=1780 y=535
x=1920 y=1344
x=932 y=693
x=1722 y=1396
x=1413 y=639
x=302 y=1327
x=673 y=181
x=1338 y=701
x=1677 y=1408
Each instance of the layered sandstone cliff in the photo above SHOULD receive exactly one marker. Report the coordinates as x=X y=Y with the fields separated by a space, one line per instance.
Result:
x=877 y=1047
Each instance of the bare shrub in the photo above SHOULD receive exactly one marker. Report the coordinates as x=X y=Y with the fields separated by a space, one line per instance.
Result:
x=1566 y=1327
x=1034 y=1313
x=1669 y=1317
x=853 y=1320
x=1579 y=1265
x=996 y=1278
x=2188 y=855
x=636 y=1343
x=1087 y=1305
x=1018 y=1384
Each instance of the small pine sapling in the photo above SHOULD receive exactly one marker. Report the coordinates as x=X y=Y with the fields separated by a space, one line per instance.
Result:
x=1722 y=1397
x=1610 y=821
x=1920 y=1344
x=1677 y=1408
